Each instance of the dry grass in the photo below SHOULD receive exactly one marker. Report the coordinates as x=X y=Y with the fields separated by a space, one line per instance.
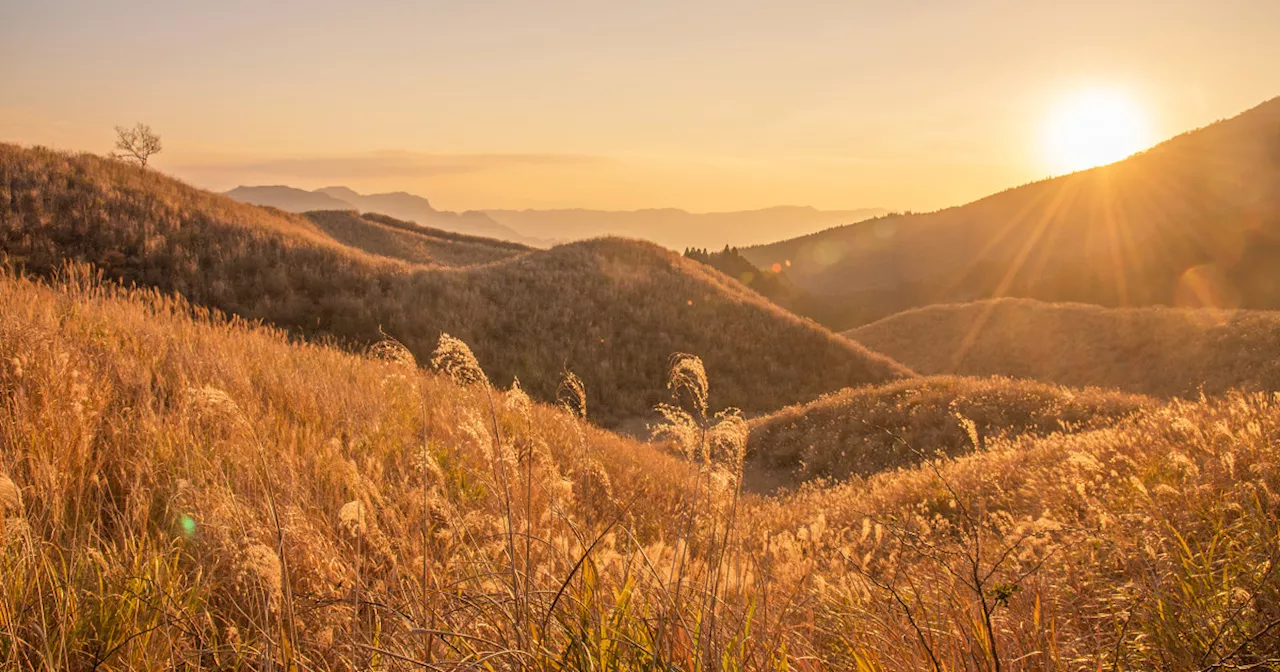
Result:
x=389 y=237
x=868 y=430
x=196 y=491
x=182 y=490
x=1147 y=545
x=1158 y=351
x=612 y=310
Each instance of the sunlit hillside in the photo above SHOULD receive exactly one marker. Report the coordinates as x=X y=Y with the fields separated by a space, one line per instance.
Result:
x=389 y=237
x=859 y=432
x=188 y=491
x=1158 y=351
x=613 y=310
x=1194 y=221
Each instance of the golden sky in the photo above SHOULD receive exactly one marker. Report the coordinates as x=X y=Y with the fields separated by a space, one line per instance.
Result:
x=703 y=105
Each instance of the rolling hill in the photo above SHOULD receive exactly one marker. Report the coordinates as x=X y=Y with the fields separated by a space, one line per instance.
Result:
x=874 y=429
x=390 y=237
x=611 y=310
x=1194 y=221
x=1155 y=350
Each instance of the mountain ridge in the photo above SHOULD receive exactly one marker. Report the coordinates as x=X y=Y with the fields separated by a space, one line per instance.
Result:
x=674 y=228
x=399 y=204
x=1204 y=203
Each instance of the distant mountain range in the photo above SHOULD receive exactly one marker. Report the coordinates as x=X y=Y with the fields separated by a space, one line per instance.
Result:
x=1194 y=221
x=669 y=227
x=398 y=204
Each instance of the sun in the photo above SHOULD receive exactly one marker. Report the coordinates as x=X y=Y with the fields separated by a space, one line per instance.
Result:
x=1094 y=128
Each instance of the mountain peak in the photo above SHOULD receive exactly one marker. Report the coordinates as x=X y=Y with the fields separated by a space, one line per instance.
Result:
x=399 y=204
x=340 y=192
x=289 y=198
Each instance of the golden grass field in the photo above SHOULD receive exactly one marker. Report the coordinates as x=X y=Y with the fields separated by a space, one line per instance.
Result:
x=186 y=490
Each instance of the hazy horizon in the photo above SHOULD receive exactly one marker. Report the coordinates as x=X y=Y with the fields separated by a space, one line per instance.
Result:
x=390 y=192
x=713 y=108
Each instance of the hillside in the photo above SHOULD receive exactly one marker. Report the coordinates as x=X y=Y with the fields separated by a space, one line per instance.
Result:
x=399 y=205
x=1157 y=351
x=181 y=490
x=772 y=283
x=389 y=237
x=612 y=310
x=678 y=229
x=1194 y=221
x=769 y=283
x=873 y=429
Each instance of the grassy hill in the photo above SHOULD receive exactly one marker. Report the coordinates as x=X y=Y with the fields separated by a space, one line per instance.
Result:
x=182 y=490
x=771 y=284
x=1194 y=221
x=1157 y=351
x=612 y=310
x=869 y=430
x=390 y=237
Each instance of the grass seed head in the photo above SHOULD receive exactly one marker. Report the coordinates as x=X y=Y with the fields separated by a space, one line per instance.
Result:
x=10 y=495
x=728 y=438
x=453 y=358
x=260 y=568
x=391 y=350
x=213 y=403
x=678 y=427
x=516 y=400
x=572 y=395
x=687 y=381
x=351 y=517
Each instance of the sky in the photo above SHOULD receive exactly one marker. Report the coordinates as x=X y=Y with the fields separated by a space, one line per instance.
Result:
x=706 y=105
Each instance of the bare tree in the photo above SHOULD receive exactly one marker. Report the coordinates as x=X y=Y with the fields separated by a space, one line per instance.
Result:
x=136 y=144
